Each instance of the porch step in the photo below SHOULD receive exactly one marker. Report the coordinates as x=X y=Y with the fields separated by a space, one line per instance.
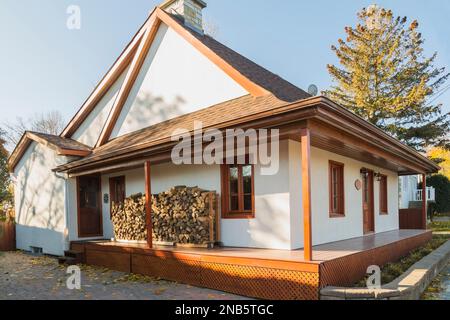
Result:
x=71 y=257
x=67 y=261
x=73 y=254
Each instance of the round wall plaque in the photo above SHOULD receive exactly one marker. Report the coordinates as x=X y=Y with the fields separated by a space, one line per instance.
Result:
x=358 y=184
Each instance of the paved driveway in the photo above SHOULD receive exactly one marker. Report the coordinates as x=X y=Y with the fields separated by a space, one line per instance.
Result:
x=23 y=276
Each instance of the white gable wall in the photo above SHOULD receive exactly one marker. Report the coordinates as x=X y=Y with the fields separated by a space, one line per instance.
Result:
x=40 y=201
x=89 y=131
x=175 y=79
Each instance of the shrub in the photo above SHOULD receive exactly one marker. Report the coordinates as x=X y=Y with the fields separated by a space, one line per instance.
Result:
x=442 y=185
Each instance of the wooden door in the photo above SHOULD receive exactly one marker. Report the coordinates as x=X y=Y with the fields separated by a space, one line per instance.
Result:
x=368 y=203
x=116 y=190
x=89 y=207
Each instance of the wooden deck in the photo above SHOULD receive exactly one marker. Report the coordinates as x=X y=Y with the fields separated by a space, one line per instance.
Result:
x=259 y=273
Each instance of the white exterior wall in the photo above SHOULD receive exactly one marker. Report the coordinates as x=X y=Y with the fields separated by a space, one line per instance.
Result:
x=40 y=201
x=278 y=200
x=271 y=227
x=171 y=85
x=326 y=229
x=89 y=131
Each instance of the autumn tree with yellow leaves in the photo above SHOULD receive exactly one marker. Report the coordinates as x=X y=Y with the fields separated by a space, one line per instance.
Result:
x=385 y=78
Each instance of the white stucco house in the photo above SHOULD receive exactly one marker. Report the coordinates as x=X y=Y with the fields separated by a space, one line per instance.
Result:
x=338 y=177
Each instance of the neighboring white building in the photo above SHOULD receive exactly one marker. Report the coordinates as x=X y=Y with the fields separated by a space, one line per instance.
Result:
x=171 y=75
x=411 y=191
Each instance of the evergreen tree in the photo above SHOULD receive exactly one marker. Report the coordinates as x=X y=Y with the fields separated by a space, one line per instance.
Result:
x=386 y=79
x=4 y=173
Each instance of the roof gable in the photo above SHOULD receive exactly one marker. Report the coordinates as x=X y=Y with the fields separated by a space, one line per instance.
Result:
x=170 y=85
x=254 y=79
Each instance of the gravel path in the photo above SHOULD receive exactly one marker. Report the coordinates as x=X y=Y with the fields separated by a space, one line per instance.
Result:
x=26 y=277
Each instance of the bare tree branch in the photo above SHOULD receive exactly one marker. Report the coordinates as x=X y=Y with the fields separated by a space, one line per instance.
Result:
x=50 y=123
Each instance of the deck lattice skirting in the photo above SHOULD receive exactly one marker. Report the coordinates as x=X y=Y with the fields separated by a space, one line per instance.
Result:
x=343 y=271
x=264 y=278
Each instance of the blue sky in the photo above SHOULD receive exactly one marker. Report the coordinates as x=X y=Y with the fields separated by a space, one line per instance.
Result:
x=44 y=66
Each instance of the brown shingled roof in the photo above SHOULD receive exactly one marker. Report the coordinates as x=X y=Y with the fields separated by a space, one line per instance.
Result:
x=63 y=146
x=210 y=117
x=62 y=143
x=281 y=88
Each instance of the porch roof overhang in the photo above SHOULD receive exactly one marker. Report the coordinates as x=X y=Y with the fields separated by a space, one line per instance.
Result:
x=332 y=128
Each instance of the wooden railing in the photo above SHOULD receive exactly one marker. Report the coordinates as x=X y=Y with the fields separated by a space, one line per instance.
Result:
x=7 y=236
x=431 y=194
x=411 y=219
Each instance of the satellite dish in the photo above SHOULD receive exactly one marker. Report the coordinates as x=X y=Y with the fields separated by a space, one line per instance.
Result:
x=313 y=90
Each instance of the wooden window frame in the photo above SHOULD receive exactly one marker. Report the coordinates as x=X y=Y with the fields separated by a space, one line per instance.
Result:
x=384 y=207
x=111 y=191
x=340 y=213
x=239 y=214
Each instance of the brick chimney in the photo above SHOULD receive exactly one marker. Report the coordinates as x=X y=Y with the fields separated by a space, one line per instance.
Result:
x=190 y=11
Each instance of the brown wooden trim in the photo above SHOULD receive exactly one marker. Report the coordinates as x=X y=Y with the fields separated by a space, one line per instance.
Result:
x=340 y=213
x=100 y=202
x=241 y=213
x=358 y=139
x=424 y=201
x=112 y=182
x=77 y=153
x=129 y=81
x=375 y=135
x=254 y=89
x=306 y=192
x=148 y=203
x=112 y=75
x=384 y=195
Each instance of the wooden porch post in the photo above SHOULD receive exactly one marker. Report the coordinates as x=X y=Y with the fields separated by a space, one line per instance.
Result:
x=424 y=201
x=306 y=192
x=148 y=203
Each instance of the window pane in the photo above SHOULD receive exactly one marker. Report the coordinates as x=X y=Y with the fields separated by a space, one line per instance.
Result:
x=234 y=203
x=234 y=180
x=248 y=202
x=247 y=176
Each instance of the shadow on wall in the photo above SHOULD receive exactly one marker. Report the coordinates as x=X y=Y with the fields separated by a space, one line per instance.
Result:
x=35 y=189
x=148 y=110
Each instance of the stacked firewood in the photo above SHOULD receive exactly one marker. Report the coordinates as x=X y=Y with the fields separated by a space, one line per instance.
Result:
x=128 y=219
x=180 y=215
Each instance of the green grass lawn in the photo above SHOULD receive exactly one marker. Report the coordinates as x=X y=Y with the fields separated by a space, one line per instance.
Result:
x=392 y=271
x=440 y=226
